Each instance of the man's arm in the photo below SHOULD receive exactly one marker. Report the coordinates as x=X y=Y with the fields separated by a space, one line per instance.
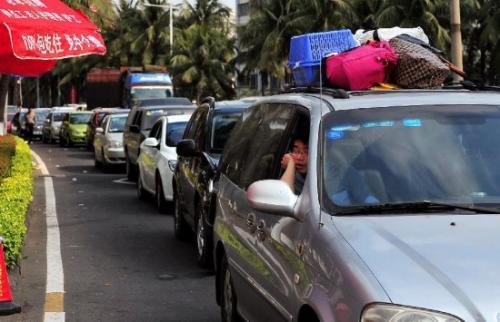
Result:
x=289 y=174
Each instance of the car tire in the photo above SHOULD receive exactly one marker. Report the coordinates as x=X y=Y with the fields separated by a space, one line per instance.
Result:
x=228 y=305
x=161 y=203
x=181 y=229
x=141 y=193
x=131 y=172
x=97 y=163
x=105 y=165
x=62 y=142
x=203 y=233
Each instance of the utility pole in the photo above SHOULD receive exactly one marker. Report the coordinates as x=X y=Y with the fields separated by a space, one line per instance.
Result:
x=171 y=26
x=456 y=37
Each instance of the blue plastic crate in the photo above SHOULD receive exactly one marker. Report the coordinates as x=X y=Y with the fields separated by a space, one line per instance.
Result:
x=306 y=52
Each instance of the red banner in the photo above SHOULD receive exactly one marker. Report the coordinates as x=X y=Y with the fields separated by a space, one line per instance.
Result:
x=44 y=30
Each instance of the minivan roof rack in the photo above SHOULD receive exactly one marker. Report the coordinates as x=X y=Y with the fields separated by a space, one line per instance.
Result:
x=334 y=92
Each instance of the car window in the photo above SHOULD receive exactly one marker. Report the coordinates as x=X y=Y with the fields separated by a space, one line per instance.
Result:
x=174 y=133
x=411 y=154
x=234 y=155
x=79 y=118
x=200 y=135
x=116 y=124
x=222 y=124
x=193 y=122
x=57 y=117
x=155 y=129
x=265 y=148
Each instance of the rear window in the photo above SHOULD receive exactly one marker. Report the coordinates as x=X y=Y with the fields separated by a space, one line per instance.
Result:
x=117 y=124
x=58 y=117
x=151 y=116
x=175 y=132
x=79 y=118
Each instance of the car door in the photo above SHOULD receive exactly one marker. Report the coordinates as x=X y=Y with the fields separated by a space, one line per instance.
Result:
x=189 y=166
x=236 y=224
x=98 y=141
x=135 y=137
x=148 y=158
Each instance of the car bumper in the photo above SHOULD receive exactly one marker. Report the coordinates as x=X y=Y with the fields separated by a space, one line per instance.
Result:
x=114 y=155
x=77 y=138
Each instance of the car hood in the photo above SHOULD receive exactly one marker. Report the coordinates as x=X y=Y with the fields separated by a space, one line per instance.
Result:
x=449 y=263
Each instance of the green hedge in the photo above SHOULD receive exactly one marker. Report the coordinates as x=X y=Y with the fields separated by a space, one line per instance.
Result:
x=16 y=193
x=7 y=150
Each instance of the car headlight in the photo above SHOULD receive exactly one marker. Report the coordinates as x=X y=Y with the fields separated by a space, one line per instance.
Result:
x=115 y=144
x=172 y=164
x=394 y=313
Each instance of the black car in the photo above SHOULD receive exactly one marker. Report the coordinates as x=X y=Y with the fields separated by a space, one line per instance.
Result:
x=198 y=156
x=140 y=120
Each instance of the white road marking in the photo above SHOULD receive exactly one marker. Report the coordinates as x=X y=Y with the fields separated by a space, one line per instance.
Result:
x=124 y=181
x=55 y=272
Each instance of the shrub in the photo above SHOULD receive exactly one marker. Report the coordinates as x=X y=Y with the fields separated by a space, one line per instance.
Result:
x=7 y=150
x=15 y=196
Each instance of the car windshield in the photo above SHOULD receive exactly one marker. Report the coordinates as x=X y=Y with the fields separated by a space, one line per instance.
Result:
x=140 y=93
x=222 y=125
x=445 y=154
x=117 y=124
x=79 y=118
x=58 y=117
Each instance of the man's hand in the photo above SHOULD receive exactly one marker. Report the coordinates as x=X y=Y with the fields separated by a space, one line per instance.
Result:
x=287 y=159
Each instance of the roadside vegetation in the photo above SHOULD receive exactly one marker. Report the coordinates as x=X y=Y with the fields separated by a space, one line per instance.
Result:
x=16 y=186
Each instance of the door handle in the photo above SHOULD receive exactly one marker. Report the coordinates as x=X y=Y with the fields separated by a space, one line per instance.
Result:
x=251 y=223
x=261 y=230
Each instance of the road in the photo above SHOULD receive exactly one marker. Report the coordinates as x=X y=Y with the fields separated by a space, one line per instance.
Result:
x=120 y=257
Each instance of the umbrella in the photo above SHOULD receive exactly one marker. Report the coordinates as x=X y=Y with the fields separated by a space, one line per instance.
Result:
x=34 y=34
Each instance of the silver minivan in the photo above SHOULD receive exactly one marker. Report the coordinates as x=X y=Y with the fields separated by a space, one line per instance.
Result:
x=398 y=219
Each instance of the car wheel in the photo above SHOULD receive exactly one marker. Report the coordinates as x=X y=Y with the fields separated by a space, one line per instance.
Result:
x=131 y=173
x=181 y=229
x=105 y=165
x=97 y=163
x=203 y=238
x=141 y=193
x=161 y=203
x=62 y=142
x=228 y=306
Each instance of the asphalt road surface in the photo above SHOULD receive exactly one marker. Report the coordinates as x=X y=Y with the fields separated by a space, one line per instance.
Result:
x=120 y=257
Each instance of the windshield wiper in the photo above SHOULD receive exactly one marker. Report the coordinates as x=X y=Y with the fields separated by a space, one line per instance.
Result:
x=420 y=206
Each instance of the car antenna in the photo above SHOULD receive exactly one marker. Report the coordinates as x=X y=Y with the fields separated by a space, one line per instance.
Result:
x=321 y=224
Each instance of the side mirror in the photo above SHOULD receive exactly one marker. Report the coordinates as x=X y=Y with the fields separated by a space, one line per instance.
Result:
x=134 y=128
x=186 y=148
x=272 y=196
x=99 y=130
x=151 y=143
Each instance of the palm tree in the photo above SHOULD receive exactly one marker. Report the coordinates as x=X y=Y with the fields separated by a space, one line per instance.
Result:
x=204 y=61
x=432 y=16
x=265 y=40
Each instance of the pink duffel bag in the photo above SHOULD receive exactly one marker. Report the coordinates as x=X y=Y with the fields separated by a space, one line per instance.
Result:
x=362 y=67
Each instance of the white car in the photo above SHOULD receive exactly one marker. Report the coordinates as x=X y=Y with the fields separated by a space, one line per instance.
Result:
x=108 y=141
x=158 y=159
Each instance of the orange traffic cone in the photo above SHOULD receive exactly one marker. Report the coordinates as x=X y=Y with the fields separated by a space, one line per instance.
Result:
x=7 y=306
